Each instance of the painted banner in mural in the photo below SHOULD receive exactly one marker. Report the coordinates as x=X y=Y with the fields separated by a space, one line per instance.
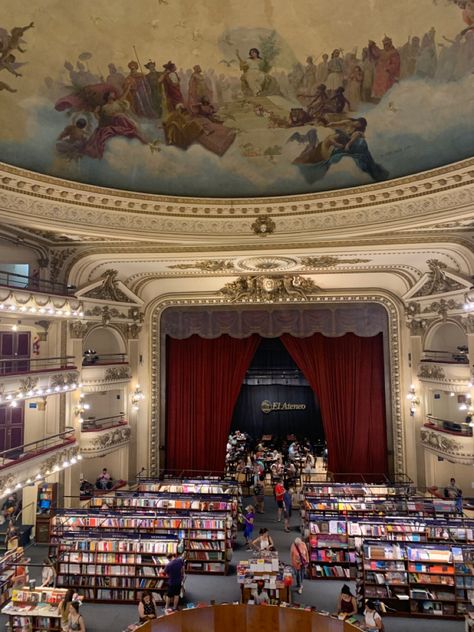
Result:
x=236 y=99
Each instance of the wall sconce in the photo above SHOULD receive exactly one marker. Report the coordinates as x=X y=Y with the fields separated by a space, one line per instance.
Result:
x=413 y=399
x=80 y=409
x=137 y=397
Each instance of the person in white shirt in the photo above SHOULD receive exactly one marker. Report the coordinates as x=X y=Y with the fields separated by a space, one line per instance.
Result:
x=372 y=620
x=48 y=574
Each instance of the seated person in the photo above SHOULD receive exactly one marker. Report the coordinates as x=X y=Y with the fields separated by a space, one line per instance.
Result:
x=346 y=603
x=104 y=480
x=259 y=595
x=146 y=607
x=86 y=488
x=452 y=490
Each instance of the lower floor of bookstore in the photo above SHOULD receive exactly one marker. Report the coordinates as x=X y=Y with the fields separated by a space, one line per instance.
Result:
x=322 y=594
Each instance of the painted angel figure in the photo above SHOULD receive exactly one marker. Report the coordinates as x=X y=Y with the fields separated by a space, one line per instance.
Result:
x=13 y=40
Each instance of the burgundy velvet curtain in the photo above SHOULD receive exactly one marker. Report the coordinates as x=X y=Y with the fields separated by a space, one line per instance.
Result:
x=347 y=374
x=203 y=381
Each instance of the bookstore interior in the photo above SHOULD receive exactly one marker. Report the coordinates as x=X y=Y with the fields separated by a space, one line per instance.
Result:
x=236 y=318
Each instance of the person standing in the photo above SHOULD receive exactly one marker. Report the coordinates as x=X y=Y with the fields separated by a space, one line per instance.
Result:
x=174 y=571
x=75 y=619
x=279 y=492
x=287 y=506
x=299 y=561
x=248 y=518
x=48 y=574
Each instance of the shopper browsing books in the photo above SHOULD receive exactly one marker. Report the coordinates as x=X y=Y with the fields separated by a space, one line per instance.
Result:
x=263 y=542
x=346 y=603
x=287 y=506
x=63 y=609
x=372 y=620
x=146 y=607
x=75 y=619
x=248 y=519
x=48 y=574
x=279 y=492
x=299 y=561
x=175 y=572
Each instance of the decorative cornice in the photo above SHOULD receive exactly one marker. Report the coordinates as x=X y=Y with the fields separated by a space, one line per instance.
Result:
x=40 y=201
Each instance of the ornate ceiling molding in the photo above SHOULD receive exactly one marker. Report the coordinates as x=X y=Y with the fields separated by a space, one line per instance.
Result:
x=42 y=202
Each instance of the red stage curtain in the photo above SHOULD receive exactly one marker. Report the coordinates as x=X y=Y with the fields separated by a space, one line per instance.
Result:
x=203 y=381
x=347 y=374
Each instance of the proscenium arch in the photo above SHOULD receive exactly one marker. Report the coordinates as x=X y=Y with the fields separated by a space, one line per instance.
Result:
x=157 y=362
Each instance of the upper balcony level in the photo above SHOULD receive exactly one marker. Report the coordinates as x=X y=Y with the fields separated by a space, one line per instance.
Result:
x=33 y=462
x=104 y=435
x=452 y=440
x=23 y=378
x=32 y=296
x=104 y=370
x=457 y=356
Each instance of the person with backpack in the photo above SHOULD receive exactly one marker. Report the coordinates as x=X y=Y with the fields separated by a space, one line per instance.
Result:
x=299 y=561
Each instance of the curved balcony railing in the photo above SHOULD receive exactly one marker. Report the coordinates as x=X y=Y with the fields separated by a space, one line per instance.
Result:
x=35 y=284
x=459 y=428
x=92 y=358
x=14 y=366
x=460 y=356
x=103 y=423
x=27 y=451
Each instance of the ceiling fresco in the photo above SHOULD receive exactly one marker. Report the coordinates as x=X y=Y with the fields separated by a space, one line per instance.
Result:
x=236 y=99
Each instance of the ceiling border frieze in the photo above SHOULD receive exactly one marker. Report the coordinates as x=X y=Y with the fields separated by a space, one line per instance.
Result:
x=37 y=200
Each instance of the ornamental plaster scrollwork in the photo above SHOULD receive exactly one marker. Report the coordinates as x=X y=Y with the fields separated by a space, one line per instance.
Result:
x=27 y=198
x=393 y=311
x=269 y=288
x=96 y=443
x=461 y=451
x=109 y=289
x=431 y=371
x=78 y=329
x=116 y=373
x=437 y=282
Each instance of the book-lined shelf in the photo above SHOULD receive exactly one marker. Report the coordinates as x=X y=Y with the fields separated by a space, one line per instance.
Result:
x=32 y=610
x=414 y=579
x=206 y=536
x=8 y=565
x=115 y=567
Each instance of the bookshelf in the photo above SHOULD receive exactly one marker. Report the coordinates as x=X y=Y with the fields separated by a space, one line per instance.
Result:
x=206 y=536
x=115 y=567
x=33 y=610
x=415 y=579
x=333 y=542
x=8 y=564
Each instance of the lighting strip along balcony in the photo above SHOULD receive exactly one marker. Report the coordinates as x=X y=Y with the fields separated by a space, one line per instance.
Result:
x=16 y=396
x=28 y=303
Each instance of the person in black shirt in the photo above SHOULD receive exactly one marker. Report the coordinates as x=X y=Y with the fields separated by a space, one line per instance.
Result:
x=174 y=571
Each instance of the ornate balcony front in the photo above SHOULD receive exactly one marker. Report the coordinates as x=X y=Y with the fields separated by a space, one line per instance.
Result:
x=455 y=445
x=446 y=376
x=102 y=436
x=33 y=462
x=24 y=378
x=104 y=371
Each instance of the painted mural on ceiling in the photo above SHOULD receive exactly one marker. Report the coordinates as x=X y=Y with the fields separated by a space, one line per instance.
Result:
x=236 y=99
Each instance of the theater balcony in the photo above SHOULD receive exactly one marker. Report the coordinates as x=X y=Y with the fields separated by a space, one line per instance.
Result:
x=102 y=436
x=31 y=296
x=104 y=371
x=441 y=369
x=25 y=378
x=451 y=440
x=32 y=462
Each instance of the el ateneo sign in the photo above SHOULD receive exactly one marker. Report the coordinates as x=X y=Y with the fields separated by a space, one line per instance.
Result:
x=270 y=407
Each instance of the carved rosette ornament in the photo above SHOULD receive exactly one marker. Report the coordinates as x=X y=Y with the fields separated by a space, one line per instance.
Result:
x=261 y=288
x=263 y=225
